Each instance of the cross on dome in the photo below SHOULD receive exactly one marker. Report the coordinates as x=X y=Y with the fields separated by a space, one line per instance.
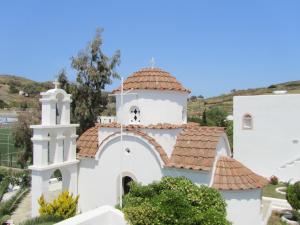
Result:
x=152 y=63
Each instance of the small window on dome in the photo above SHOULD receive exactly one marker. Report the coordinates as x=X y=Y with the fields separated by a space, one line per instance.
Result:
x=135 y=115
x=247 y=122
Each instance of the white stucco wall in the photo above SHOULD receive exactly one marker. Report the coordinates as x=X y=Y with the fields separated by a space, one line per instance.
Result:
x=99 y=179
x=165 y=137
x=155 y=107
x=105 y=215
x=198 y=177
x=274 y=140
x=244 y=206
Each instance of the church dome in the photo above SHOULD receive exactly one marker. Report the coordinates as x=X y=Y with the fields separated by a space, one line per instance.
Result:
x=152 y=79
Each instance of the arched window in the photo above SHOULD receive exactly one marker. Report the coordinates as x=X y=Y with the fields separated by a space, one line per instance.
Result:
x=135 y=115
x=247 y=122
x=59 y=99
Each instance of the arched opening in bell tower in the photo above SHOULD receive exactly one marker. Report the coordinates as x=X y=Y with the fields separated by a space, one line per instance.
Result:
x=59 y=105
x=55 y=186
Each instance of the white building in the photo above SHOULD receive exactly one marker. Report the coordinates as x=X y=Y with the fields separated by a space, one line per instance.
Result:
x=106 y=119
x=266 y=134
x=156 y=141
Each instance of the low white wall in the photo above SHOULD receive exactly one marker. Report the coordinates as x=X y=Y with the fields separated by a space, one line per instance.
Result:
x=244 y=206
x=105 y=215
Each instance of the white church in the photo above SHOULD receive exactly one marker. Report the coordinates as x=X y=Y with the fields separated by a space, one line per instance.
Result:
x=150 y=139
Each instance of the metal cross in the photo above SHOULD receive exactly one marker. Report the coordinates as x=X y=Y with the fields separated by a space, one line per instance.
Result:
x=152 y=62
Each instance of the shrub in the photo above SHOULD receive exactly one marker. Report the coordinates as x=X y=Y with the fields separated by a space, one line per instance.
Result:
x=274 y=180
x=174 y=201
x=293 y=195
x=42 y=220
x=3 y=187
x=64 y=206
x=7 y=207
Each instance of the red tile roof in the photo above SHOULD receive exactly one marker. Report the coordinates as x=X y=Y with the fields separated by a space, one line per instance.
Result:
x=232 y=175
x=195 y=148
x=87 y=143
x=152 y=79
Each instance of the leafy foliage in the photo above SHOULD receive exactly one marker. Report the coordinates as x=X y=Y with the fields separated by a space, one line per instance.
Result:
x=8 y=207
x=174 y=201
x=274 y=180
x=3 y=104
x=215 y=116
x=43 y=220
x=3 y=187
x=64 y=206
x=94 y=71
x=293 y=195
x=22 y=134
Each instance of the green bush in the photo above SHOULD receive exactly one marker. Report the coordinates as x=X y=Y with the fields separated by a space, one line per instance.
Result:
x=43 y=220
x=174 y=201
x=64 y=206
x=7 y=207
x=3 y=187
x=293 y=195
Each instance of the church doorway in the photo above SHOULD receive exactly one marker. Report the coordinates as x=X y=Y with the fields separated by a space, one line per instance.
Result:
x=125 y=184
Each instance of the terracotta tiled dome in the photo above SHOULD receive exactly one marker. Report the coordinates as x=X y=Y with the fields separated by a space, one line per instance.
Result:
x=152 y=79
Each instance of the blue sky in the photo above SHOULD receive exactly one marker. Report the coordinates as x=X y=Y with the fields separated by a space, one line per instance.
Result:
x=210 y=46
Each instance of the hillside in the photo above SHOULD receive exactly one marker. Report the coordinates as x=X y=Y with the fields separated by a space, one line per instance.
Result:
x=196 y=105
x=10 y=86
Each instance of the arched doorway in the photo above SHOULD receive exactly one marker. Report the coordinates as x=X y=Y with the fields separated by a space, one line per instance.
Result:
x=125 y=184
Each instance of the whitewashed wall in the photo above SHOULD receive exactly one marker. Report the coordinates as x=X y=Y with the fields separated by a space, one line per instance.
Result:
x=105 y=215
x=155 y=106
x=274 y=141
x=99 y=179
x=165 y=137
x=243 y=207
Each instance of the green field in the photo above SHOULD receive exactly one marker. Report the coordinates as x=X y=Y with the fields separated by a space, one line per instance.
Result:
x=8 y=152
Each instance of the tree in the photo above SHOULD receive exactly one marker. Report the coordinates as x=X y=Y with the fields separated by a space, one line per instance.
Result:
x=94 y=70
x=13 y=87
x=174 y=201
x=22 y=134
x=215 y=116
x=3 y=104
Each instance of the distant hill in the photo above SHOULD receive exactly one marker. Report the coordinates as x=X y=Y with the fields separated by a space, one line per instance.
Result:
x=197 y=105
x=10 y=96
x=11 y=85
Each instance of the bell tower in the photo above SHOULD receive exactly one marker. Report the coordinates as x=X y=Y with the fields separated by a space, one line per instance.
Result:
x=54 y=146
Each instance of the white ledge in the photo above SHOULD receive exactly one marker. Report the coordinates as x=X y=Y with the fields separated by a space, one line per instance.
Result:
x=55 y=126
x=53 y=166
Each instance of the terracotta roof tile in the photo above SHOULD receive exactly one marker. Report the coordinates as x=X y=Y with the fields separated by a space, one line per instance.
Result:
x=195 y=147
x=232 y=175
x=87 y=143
x=152 y=79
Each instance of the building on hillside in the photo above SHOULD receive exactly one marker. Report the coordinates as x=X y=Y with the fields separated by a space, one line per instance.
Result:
x=106 y=119
x=150 y=139
x=266 y=134
x=7 y=118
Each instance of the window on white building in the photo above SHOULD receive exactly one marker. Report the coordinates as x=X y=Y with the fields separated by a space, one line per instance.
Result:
x=247 y=122
x=135 y=115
